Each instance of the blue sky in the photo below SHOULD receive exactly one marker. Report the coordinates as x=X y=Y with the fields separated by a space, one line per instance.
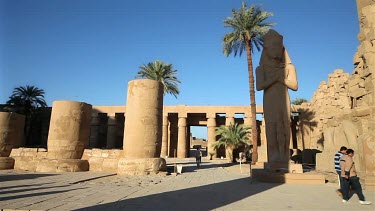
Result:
x=89 y=50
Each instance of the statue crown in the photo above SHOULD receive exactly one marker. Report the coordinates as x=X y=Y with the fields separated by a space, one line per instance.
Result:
x=272 y=38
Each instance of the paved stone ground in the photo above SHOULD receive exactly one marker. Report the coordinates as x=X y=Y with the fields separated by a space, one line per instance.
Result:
x=213 y=186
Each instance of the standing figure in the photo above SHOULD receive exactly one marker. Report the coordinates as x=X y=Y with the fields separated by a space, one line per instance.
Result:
x=336 y=160
x=198 y=156
x=275 y=75
x=349 y=174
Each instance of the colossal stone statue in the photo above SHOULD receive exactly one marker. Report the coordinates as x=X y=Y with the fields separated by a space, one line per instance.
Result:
x=275 y=75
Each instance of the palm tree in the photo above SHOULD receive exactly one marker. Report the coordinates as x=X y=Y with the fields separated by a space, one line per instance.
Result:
x=299 y=101
x=232 y=137
x=26 y=100
x=249 y=29
x=162 y=72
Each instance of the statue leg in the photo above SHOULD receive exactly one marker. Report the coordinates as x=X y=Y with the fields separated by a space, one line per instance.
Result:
x=272 y=145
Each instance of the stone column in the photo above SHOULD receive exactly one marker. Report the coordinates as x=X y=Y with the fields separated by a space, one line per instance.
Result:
x=164 y=138
x=173 y=135
x=94 y=131
x=143 y=128
x=68 y=136
x=181 y=143
x=211 y=134
x=228 y=121
x=11 y=136
x=111 y=131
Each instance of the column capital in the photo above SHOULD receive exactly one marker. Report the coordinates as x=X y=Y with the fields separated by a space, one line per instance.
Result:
x=229 y=115
x=182 y=115
x=211 y=115
x=182 y=122
x=211 y=122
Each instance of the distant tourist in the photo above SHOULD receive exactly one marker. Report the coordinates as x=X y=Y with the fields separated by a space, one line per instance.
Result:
x=336 y=160
x=349 y=174
x=198 y=157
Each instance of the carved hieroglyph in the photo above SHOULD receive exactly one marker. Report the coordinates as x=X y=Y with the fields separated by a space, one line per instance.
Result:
x=275 y=75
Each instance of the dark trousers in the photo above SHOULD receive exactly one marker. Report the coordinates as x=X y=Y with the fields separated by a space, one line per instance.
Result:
x=341 y=180
x=198 y=160
x=354 y=183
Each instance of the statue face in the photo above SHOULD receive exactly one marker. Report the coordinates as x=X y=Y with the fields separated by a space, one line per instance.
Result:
x=274 y=51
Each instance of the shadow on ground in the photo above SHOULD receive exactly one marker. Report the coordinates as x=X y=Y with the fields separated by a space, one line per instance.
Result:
x=12 y=177
x=206 y=197
x=192 y=167
x=36 y=194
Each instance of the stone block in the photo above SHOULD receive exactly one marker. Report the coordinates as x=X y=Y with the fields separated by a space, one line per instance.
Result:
x=97 y=153
x=110 y=165
x=356 y=92
x=25 y=163
x=72 y=165
x=116 y=153
x=338 y=71
x=289 y=178
x=295 y=168
x=354 y=80
x=95 y=164
x=141 y=166
x=15 y=152
x=361 y=112
x=6 y=163
x=324 y=161
x=87 y=153
x=62 y=165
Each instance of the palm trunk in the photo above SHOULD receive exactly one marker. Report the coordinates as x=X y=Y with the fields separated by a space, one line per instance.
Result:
x=254 y=131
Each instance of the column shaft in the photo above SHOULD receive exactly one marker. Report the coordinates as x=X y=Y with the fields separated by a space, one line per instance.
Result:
x=181 y=145
x=94 y=130
x=164 y=138
x=111 y=131
x=211 y=135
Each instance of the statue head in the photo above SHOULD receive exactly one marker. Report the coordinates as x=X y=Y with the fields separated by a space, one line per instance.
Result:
x=273 y=48
x=273 y=45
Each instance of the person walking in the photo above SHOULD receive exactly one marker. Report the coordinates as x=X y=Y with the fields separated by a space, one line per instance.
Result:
x=349 y=174
x=198 y=157
x=336 y=160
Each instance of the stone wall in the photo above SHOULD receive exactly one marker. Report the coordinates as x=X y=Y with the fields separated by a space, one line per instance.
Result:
x=27 y=159
x=103 y=160
x=345 y=106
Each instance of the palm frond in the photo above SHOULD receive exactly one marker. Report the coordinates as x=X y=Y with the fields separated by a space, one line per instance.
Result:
x=162 y=72
x=248 y=25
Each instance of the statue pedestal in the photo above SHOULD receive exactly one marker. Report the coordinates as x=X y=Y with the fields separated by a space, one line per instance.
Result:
x=62 y=165
x=6 y=163
x=277 y=167
x=264 y=175
x=141 y=166
x=286 y=173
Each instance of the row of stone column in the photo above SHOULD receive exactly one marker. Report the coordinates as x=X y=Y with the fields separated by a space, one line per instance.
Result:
x=182 y=140
x=112 y=128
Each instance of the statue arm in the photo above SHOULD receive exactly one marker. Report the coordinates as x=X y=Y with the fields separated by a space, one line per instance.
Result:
x=291 y=80
x=261 y=81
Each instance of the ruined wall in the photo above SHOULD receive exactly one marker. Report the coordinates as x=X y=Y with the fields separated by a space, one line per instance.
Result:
x=345 y=106
x=103 y=160
x=27 y=159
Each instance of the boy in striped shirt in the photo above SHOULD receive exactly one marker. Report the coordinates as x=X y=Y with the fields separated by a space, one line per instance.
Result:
x=336 y=159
